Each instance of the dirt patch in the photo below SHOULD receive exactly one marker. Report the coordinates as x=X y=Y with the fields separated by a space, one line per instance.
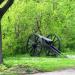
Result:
x=21 y=70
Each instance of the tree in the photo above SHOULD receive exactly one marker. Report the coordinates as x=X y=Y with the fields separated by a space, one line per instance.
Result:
x=2 y=12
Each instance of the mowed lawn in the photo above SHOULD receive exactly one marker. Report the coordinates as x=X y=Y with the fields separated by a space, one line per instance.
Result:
x=40 y=63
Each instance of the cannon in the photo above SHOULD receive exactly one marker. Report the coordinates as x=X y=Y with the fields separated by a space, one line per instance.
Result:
x=50 y=45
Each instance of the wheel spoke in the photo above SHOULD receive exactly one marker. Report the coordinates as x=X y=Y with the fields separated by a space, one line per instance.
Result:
x=55 y=43
x=54 y=38
x=33 y=45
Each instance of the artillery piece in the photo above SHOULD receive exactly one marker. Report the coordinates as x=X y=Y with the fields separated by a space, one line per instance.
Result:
x=37 y=43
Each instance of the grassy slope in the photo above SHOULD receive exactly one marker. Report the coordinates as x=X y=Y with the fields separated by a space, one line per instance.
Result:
x=41 y=63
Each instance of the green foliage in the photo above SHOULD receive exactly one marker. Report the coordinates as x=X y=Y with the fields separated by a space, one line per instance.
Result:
x=2 y=68
x=54 y=17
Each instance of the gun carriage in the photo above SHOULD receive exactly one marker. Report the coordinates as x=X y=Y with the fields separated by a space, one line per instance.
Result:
x=37 y=43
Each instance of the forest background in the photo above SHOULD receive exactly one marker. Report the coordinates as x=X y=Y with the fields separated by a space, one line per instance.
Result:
x=54 y=16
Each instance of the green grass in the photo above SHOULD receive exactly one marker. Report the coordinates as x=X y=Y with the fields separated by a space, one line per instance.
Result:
x=40 y=63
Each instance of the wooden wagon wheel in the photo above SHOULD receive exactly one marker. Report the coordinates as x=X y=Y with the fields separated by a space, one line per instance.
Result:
x=55 y=45
x=33 y=45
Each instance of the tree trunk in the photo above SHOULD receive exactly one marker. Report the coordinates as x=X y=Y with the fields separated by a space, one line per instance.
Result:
x=1 y=58
x=2 y=12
